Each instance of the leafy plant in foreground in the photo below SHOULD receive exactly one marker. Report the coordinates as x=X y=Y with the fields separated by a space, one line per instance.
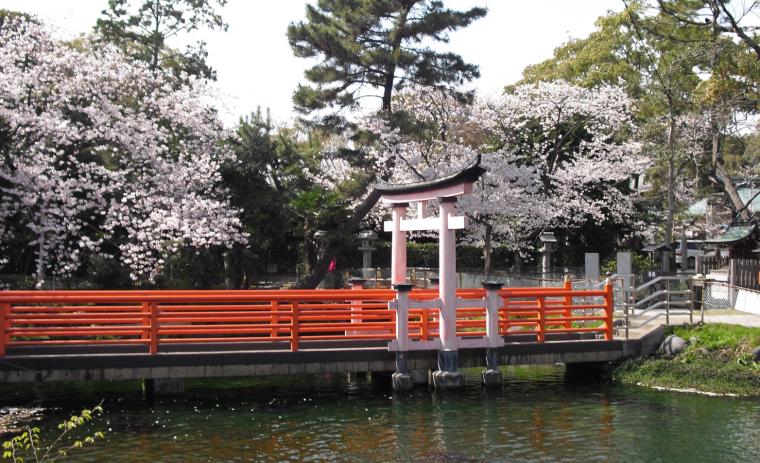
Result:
x=28 y=445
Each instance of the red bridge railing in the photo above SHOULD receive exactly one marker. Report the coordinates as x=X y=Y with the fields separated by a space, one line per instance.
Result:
x=155 y=318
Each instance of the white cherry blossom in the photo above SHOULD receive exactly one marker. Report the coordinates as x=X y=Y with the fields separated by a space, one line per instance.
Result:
x=102 y=149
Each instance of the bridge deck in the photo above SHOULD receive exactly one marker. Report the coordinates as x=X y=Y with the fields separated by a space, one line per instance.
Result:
x=113 y=362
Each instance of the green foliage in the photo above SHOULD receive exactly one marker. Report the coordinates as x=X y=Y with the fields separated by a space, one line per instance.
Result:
x=142 y=33
x=717 y=359
x=714 y=336
x=705 y=375
x=375 y=44
x=640 y=263
x=607 y=56
x=679 y=70
x=266 y=173
x=29 y=446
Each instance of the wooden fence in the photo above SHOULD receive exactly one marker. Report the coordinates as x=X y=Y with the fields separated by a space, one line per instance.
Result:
x=741 y=272
x=744 y=273
x=705 y=265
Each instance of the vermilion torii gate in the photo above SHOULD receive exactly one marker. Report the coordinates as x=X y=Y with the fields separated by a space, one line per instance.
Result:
x=445 y=190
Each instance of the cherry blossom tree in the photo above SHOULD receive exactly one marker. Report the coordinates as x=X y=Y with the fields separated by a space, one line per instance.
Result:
x=557 y=156
x=579 y=141
x=442 y=136
x=98 y=150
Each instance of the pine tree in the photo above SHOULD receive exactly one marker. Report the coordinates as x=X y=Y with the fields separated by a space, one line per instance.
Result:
x=142 y=32
x=373 y=48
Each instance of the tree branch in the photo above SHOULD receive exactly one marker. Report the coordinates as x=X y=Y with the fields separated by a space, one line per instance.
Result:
x=338 y=243
x=740 y=31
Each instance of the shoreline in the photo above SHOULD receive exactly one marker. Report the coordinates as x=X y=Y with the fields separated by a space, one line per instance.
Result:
x=689 y=390
x=718 y=361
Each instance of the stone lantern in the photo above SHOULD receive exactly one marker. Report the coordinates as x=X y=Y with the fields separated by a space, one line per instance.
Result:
x=548 y=245
x=367 y=238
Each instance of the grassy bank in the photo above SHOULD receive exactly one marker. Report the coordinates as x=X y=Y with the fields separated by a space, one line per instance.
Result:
x=717 y=360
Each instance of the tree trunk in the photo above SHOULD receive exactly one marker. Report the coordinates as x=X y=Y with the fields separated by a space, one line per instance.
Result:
x=157 y=39
x=487 y=249
x=336 y=242
x=730 y=188
x=671 y=172
x=390 y=67
x=227 y=269
x=42 y=255
x=716 y=153
x=306 y=245
x=517 y=264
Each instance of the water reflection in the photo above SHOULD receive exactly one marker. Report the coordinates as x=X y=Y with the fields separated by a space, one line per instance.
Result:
x=539 y=415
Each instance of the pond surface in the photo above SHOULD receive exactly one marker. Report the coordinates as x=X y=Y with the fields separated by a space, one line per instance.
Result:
x=539 y=416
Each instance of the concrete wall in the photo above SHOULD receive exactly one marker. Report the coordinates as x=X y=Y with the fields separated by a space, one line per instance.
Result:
x=747 y=301
x=89 y=367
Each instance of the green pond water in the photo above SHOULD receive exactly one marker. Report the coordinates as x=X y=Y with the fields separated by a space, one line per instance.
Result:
x=540 y=415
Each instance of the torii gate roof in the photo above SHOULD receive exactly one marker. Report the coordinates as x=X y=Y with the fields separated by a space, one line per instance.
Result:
x=451 y=185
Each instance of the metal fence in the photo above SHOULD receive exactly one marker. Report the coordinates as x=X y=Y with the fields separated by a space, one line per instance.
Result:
x=424 y=278
x=719 y=296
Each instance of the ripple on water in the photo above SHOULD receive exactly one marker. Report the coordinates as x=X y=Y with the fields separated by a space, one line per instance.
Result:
x=538 y=416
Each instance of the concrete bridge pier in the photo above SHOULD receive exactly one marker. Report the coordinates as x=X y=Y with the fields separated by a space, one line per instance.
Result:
x=448 y=377
x=357 y=377
x=491 y=376
x=161 y=387
x=401 y=379
x=420 y=377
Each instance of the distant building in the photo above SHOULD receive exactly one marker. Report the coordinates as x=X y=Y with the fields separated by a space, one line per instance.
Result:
x=712 y=219
x=738 y=241
x=715 y=210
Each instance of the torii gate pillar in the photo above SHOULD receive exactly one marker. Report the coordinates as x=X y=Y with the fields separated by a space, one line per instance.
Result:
x=398 y=245
x=447 y=269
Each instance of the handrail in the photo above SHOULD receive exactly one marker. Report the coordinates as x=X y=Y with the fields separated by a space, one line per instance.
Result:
x=658 y=300
x=155 y=318
x=662 y=278
x=652 y=296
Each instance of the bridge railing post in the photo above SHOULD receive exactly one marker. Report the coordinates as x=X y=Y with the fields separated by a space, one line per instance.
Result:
x=294 y=324
x=145 y=328
x=609 y=308
x=491 y=376
x=153 y=307
x=493 y=303
x=667 y=302
x=541 y=312
x=5 y=311
x=275 y=308
x=424 y=324
x=568 y=302
x=402 y=380
x=357 y=315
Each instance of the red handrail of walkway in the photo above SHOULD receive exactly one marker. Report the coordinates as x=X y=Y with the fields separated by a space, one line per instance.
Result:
x=154 y=318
